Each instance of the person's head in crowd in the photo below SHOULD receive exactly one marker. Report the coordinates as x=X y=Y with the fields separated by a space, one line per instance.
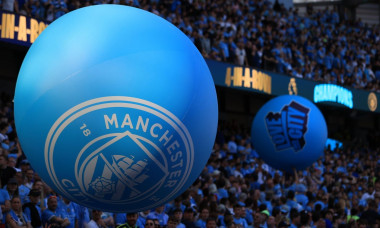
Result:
x=4 y=127
x=242 y=196
x=271 y=222
x=29 y=174
x=12 y=161
x=52 y=203
x=132 y=218
x=16 y=204
x=228 y=218
x=12 y=187
x=211 y=223
x=321 y=223
x=264 y=216
x=377 y=185
x=96 y=214
x=249 y=203
x=276 y=213
x=177 y=202
x=294 y=216
x=232 y=199
x=243 y=212
x=283 y=224
x=19 y=177
x=362 y=223
x=284 y=209
x=189 y=214
x=160 y=209
x=149 y=223
x=221 y=209
x=178 y=214
x=66 y=201
x=36 y=177
x=204 y=213
x=34 y=196
x=24 y=165
x=173 y=222
x=372 y=205
x=290 y=195
x=39 y=185
x=325 y=198
x=339 y=218
x=231 y=225
x=305 y=218
x=156 y=223
x=269 y=195
x=238 y=210
x=318 y=207
x=3 y=161
x=258 y=219
x=47 y=190
x=262 y=207
x=329 y=214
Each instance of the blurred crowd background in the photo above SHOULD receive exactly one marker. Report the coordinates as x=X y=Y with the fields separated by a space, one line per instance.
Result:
x=236 y=188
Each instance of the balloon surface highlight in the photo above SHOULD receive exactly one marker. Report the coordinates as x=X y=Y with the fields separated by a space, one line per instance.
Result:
x=289 y=132
x=115 y=108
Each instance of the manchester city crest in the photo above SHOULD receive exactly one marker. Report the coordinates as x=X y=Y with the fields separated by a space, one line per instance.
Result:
x=131 y=151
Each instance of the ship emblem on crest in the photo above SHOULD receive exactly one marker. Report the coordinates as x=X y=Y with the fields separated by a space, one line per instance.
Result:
x=112 y=177
x=132 y=172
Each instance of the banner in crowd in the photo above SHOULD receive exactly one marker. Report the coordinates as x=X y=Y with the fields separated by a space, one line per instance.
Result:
x=19 y=29
x=260 y=81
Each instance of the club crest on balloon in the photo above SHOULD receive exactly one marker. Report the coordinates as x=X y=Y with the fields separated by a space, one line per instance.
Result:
x=288 y=127
x=289 y=132
x=158 y=151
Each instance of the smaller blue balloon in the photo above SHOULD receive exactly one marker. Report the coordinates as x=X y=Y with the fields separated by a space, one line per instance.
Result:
x=289 y=132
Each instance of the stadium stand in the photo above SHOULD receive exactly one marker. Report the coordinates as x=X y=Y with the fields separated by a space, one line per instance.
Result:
x=321 y=46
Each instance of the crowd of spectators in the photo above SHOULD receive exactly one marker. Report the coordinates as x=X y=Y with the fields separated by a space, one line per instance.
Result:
x=323 y=45
x=235 y=189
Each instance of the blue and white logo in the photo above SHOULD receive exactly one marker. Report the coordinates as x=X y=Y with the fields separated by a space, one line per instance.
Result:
x=157 y=159
x=288 y=127
x=289 y=132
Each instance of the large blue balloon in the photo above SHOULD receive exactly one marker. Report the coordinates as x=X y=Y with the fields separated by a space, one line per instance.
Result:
x=289 y=132
x=115 y=108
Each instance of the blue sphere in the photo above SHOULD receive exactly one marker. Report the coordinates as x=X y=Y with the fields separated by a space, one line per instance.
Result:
x=289 y=132
x=116 y=108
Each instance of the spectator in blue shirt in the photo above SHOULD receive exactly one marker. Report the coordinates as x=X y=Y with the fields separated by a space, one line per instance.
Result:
x=16 y=218
x=320 y=55
x=294 y=218
x=203 y=216
x=83 y=216
x=238 y=216
x=32 y=210
x=211 y=223
x=132 y=218
x=52 y=216
x=143 y=217
x=70 y=209
x=232 y=146
x=159 y=214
